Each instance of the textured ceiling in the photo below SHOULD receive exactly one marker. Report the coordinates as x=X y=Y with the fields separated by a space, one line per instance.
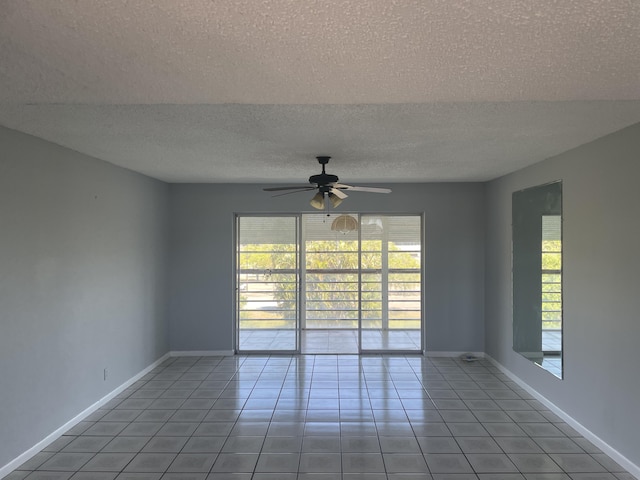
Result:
x=247 y=90
x=373 y=143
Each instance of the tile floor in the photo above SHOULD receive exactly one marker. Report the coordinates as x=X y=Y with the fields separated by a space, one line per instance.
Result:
x=329 y=340
x=322 y=417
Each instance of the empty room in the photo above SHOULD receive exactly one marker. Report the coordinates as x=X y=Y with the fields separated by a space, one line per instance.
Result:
x=382 y=240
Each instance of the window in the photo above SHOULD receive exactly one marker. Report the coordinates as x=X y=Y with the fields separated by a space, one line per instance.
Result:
x=366 y=279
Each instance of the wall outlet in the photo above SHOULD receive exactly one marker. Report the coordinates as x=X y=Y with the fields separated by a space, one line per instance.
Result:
x=106 y=373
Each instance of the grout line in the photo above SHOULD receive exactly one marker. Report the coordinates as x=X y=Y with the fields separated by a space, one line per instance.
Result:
x=38 y=447
x=375 y=372
x=586 y=433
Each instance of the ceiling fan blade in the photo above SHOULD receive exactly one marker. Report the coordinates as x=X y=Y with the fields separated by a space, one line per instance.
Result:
x=297 y=187
x=338 y=193
x=342 y=186
x=306 y=189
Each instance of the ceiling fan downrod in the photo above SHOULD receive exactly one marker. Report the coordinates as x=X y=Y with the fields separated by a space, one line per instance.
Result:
x=323 y=178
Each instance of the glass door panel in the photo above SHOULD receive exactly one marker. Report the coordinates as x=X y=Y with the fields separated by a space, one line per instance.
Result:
x=330 y=286
x=341 y=291
x=391 y=283
x=267 y=266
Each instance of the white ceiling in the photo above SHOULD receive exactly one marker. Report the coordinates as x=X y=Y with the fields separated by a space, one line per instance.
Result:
x=252 y=91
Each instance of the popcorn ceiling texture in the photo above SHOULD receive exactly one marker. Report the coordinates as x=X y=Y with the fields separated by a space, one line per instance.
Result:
x=315 y=52
x=444 y=89
x=368 y=143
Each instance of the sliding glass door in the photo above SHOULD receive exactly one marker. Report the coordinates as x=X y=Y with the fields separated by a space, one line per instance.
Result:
x=391 y=283
x=267 y=278
x=346 y=283
x=330 y=299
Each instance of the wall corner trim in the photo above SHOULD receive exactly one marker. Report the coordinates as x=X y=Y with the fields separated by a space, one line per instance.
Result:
x=20 y=459
x=631 y=467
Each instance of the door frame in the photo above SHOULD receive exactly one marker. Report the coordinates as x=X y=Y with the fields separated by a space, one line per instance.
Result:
x=236 y=287
x=371 y=351
x=300 y=290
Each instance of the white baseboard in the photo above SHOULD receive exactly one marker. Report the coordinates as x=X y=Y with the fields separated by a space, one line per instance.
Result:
x=601 y=444
x=201 y=353
x=20 y=459
x=623 y=461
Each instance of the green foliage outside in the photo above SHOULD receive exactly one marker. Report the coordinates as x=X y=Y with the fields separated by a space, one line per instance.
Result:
x=331 y=281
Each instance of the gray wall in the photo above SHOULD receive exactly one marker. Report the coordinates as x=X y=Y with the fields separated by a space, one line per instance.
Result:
x=601 y=237
x=202 y=253
x=82 y=284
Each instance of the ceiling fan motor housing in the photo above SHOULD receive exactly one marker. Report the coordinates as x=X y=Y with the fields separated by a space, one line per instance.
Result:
x=323 y=179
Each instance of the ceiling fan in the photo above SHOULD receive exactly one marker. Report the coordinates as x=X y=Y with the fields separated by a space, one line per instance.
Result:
x=327 y=186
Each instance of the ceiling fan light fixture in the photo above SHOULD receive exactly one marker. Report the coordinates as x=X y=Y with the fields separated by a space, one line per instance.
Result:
x=335 y=200
x=318 y=201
